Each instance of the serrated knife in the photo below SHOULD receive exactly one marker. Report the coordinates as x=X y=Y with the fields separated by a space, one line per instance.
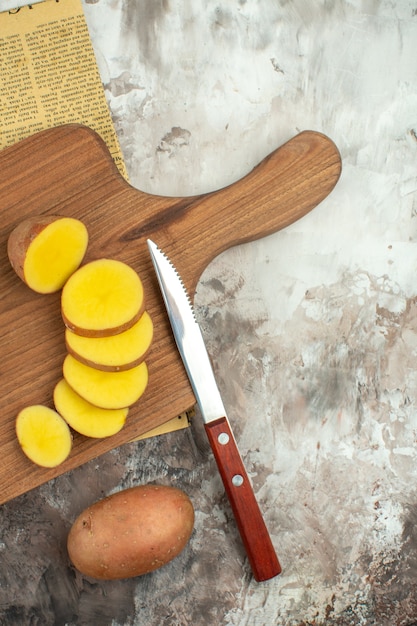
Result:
x=187 y=333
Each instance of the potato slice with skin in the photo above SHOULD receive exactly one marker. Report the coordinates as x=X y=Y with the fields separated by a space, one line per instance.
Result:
x=102 y=298
x=43 y=435
x=44 y=251
x=107 y=390
x=116 y=352
x=84 y=417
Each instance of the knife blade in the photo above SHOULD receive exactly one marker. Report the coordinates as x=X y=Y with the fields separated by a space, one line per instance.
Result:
x=189 y=339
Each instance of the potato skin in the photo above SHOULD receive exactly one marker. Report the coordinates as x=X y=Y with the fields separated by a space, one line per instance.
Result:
x=22 y=236
x=131 y=533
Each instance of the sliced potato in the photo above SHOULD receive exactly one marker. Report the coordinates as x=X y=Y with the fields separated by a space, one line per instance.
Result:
x=102 y=298
x=116 y=352
x=43 y=435
x=108 y=390
x=84 y=417
x=45 y=250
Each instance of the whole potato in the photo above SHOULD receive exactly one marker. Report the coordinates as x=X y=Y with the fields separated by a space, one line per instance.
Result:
x=131 y=533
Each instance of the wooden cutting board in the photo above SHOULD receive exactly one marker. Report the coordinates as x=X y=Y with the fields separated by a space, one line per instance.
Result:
x=68 y=171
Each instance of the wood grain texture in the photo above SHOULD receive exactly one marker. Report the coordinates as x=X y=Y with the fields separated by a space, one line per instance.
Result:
x=68 y=171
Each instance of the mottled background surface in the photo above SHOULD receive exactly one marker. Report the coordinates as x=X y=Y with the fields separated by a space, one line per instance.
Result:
x=313 y=331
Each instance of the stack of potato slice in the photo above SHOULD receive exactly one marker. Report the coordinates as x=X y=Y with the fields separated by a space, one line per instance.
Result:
x=108 y=333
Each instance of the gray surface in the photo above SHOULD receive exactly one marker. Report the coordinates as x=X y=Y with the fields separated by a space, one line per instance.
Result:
x=313 y=331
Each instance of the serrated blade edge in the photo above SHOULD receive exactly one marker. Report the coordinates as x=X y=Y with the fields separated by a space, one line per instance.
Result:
x=188 y=336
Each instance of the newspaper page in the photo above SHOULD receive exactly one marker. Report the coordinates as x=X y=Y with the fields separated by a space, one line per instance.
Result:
x=49 y=75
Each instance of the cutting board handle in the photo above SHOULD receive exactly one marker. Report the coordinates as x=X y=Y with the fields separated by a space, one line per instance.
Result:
x=285 y=186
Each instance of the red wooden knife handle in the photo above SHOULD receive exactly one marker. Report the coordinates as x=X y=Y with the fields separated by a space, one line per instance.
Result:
x=258 y=545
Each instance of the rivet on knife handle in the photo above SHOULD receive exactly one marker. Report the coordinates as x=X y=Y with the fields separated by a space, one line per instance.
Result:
x=259 y=548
